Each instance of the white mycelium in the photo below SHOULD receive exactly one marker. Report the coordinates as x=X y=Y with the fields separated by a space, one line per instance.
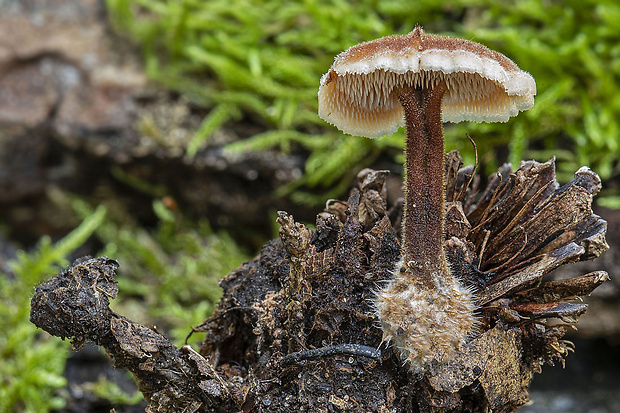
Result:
x=427 y=325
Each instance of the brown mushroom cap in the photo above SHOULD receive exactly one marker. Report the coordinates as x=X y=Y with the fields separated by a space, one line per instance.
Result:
x=483 y=85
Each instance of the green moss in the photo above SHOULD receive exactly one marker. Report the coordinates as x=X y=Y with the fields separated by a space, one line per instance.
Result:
x=32 y=362
x=168 y=277
x=572 y=49
x=107 y=390
x=262 y=61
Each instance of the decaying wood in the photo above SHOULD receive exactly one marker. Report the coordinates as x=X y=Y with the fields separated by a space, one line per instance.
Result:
x=75 y=304
x=296 y=330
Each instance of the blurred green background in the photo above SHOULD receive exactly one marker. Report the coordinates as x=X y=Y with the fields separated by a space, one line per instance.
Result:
x=259 y=62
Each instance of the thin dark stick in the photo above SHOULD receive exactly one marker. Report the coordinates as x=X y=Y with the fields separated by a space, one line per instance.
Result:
x=351 y=349
x=463 y=190
x=212 y=319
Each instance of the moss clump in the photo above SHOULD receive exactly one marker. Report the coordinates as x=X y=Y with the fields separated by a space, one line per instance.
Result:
x=261 y=62
x=32 y=365
x=171 y=275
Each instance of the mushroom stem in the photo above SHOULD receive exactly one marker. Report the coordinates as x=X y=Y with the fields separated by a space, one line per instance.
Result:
x=423 y=217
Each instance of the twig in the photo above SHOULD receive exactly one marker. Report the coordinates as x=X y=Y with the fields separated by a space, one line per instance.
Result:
x=351 y=349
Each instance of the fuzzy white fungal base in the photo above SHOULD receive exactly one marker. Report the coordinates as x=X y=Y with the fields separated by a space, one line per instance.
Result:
x=428 y=317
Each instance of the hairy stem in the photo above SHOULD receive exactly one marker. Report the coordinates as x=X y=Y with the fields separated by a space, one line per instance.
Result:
x=424 y=183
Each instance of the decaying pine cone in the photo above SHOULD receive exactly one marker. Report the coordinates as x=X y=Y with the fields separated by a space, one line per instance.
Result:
x=296 y=329
x=286 y=318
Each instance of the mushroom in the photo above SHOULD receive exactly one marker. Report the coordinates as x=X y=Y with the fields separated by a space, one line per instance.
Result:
x=371 y=90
